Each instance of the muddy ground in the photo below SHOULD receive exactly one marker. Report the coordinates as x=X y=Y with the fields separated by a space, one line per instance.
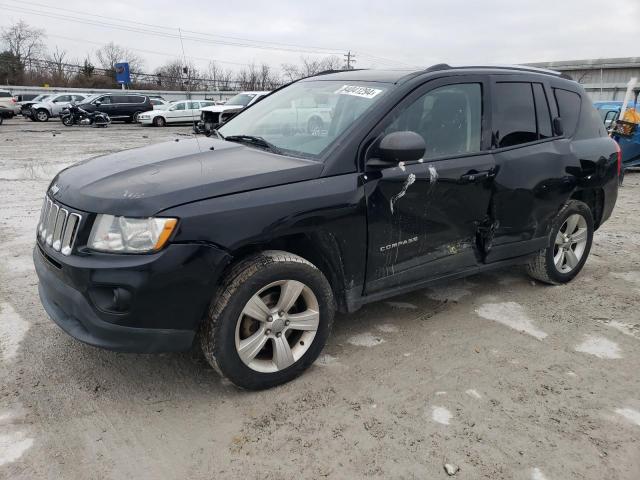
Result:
x=495 y=374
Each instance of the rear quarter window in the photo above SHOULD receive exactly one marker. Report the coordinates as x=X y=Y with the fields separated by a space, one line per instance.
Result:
x=569 y=109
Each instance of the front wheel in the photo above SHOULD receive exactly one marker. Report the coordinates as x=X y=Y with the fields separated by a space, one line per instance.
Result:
x=268 y=321
x=42 y=115
x=569 y=245
x=159 y=122
x=67 y=121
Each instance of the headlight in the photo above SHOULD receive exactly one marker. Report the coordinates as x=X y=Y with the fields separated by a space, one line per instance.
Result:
x=130 y=235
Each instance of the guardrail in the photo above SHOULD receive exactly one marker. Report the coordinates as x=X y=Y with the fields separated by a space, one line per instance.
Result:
x=166 y=94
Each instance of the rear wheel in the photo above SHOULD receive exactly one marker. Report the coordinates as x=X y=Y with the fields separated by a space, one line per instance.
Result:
x=135 y=117
x=569 y=245
x=268 y=321
x=42 y=115
x=159 y=122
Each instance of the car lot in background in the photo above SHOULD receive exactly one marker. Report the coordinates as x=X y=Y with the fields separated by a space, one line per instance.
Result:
x=183 y=111
x=25 y=105
x=119 y=106
x=610 y=112
x=8 y=101
x=212 y=116
x=52 y=106
x=159 y=104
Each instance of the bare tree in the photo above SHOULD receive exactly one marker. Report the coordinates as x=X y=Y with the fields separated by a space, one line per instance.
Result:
x=57 y=62
x=310 y=67
x=23 y=41
x=110 y=54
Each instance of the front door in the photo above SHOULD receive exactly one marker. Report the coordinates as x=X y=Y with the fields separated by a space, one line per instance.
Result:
x=424 y=218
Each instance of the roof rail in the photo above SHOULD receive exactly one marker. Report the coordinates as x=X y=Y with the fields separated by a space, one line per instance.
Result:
x=523 y=68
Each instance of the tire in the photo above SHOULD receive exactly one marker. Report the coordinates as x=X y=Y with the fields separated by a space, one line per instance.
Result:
x=159 y=122
x=67 y=121
x=135 y=118
x=555 y=265
x=42 y=115
x=266 y=276
x=1 y=119
x=315 y=126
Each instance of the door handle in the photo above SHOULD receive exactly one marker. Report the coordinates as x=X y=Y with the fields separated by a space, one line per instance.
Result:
x=474 y=176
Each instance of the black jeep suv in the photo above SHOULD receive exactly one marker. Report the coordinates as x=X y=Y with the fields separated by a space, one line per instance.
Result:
x=249 y=241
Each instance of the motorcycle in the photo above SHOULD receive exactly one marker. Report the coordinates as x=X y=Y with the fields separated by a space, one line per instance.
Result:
x=74 y=115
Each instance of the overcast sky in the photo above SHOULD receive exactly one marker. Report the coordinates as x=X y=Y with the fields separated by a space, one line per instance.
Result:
x=381 y=33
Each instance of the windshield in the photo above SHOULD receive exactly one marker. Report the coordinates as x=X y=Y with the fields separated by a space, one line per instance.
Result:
x=90 y=98
x=305 y=118
x=241 y=99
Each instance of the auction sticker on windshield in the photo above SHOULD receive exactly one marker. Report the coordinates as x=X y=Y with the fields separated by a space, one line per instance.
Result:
x=356 y=91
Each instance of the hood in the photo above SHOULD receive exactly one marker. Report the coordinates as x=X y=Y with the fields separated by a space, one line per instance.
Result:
x=144 y=181
x=220 y=108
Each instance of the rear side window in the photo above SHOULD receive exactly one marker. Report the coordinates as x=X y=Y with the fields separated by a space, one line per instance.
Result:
x=543 y=115
x=514 y=114
x=569 y=110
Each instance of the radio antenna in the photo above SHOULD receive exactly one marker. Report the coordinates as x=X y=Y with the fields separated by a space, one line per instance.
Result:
x=186 y=68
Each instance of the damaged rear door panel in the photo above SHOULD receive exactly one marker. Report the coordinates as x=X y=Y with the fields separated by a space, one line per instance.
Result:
x=424 y=217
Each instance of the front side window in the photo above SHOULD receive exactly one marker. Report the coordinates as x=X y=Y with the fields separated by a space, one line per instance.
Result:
x=514 y=114
x=306 y=131
x=177 y=106
x=106 y=100
x=449 y=119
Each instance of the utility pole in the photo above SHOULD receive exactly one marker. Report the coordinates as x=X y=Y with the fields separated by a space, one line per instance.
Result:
x=349 y=59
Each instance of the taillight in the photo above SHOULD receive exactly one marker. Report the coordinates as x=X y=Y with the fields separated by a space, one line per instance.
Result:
x=619 y=152
x=13 y=100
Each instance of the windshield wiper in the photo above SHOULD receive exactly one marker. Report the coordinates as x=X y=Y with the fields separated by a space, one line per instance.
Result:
x=252 y=140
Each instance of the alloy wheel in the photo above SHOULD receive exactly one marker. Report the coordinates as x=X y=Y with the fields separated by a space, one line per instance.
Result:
x=570 y=244
x=277 y=326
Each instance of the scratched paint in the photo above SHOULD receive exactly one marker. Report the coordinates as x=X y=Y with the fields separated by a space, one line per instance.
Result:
x=433 y=174
x=407 y=183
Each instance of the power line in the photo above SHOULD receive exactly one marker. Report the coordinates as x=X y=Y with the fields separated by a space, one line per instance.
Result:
x=145 y=31
x=76 y=12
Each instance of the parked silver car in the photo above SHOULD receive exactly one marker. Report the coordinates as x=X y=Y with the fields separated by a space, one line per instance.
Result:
x=53 y=106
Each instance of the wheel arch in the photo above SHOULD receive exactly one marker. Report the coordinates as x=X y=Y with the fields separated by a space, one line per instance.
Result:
x=594 y=198
x=319 y=248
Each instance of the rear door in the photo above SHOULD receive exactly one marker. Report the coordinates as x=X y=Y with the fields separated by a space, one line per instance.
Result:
x=534 y=165
x=423 y=217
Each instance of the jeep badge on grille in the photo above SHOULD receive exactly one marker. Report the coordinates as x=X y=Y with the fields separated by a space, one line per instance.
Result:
x=54 y=189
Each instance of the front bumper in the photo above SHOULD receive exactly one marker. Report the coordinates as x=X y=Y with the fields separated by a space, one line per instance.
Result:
x=145 y=121
x=170 y=292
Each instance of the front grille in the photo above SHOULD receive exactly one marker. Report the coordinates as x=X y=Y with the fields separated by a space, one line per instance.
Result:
x=58 y=227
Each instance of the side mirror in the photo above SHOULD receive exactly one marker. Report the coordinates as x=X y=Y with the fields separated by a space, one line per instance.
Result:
x=98 y=103
x=557 y=126
x=399 y=147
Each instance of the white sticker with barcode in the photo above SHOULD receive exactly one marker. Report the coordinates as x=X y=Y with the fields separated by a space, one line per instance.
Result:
x=357 y=91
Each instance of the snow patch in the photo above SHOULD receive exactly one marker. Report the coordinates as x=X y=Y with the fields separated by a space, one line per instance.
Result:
x=473 y=393
x=366 y=339
x=441 y=415
x=536 y=474
x=512 y=315
x=626 y=328
x=387 y=328
x=600 y=347
x=402 y=305
x=12 y=330
x=441 y=393
x=326 y=360
x=630 y=414
x=12 y=446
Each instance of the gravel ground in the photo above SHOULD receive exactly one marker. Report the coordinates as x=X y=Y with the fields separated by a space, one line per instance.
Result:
x=496 y=375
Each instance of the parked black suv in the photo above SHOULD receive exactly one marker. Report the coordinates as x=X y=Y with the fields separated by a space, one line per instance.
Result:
x=250 y=241
x=119 y=106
